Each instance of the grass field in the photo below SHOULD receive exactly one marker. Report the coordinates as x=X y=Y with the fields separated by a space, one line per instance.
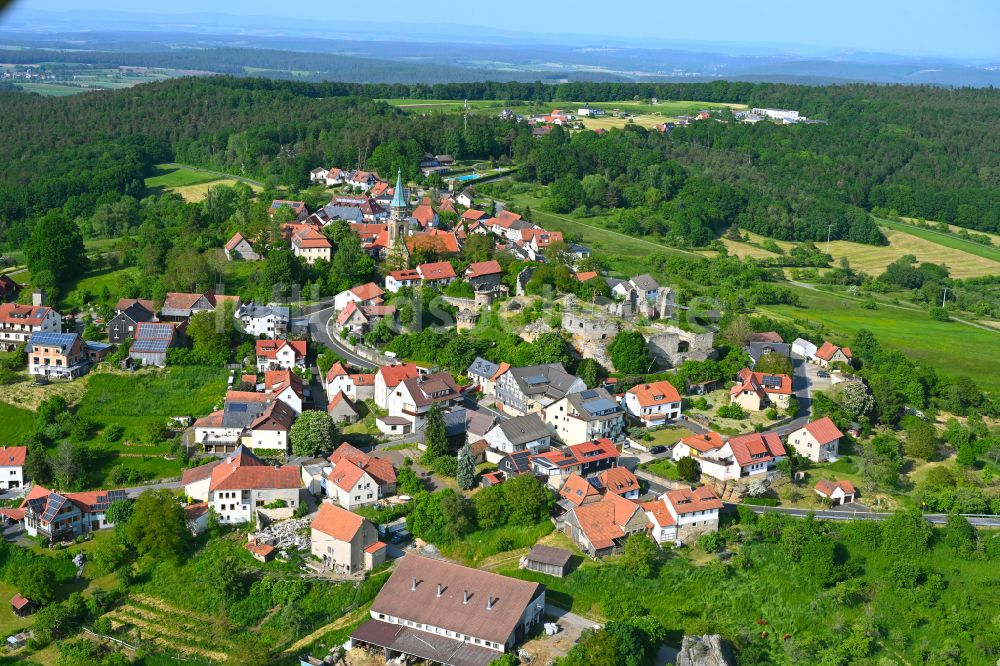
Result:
x=15 y=424
x=135 y=400
x=950 y=347
x=89 y=288
x=961 y=261
x=189 y=183
x=994 y=237
x=53 y=89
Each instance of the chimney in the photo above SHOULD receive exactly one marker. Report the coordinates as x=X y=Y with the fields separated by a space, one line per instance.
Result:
x=413 y=588
x=465 y=597
x=38 y=297
x=440 y=589
x=489 y=602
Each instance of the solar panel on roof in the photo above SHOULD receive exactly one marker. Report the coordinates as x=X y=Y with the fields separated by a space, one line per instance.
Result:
x=535 y=380
x=56 y=502
x=237 y=407
x=600 y=405
x=589 y=393
x=150 y=345
x=770 y=381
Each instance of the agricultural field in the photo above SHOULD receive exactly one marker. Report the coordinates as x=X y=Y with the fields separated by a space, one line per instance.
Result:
x=191 y=184
x=947 y=240
x=185 y=634
x=964 y=259
x=951 y=347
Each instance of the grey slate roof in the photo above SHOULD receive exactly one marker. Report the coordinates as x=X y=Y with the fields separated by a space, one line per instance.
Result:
x=757 y=349
x=645 y=282
x=257 y=311
x=550 y=379
x=524 y=429
x=482 y=368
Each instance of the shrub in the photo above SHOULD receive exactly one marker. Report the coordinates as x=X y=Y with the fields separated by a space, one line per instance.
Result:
x=114 y=432
x=731 y=412
x=712 y=542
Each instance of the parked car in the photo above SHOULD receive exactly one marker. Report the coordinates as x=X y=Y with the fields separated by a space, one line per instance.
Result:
x=822 y=373
x=658 y=449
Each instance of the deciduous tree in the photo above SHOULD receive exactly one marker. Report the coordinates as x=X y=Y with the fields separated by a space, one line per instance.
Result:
x=313 y=433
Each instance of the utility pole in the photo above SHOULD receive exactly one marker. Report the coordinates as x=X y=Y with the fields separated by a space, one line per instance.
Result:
x=944 y=296
x=829 y=229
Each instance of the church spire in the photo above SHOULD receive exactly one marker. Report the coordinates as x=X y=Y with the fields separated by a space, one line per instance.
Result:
x=398 y=196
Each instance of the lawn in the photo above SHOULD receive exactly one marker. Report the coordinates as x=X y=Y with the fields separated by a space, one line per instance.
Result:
x=188 y=182
x=152 y=394
x=665 y=468
x=89 y=289
x=952 y=348
x=665 y=436
x=16 y=424
x=479 y=545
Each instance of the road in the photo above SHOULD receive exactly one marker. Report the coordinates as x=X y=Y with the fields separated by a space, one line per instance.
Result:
x=320 y=333
x=976 y=520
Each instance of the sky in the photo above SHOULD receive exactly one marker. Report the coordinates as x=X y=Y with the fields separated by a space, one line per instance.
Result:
x=957 y=28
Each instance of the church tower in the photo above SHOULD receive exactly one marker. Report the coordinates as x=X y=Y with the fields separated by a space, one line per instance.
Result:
x=399 y=210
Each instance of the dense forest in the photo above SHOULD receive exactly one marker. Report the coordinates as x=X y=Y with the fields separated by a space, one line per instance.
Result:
x=917 y=151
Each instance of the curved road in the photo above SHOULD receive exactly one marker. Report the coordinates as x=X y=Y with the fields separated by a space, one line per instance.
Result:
x=319 y=332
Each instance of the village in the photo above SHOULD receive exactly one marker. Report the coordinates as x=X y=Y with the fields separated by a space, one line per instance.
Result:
x=589 y=447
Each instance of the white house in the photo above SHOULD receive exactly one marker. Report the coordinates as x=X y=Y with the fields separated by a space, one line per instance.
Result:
x=817 y=440
x=257 y=420
x=683 y=515
x=587 y=415
x=396 y=280
x=363 y=294
x=235 y=487
x=318 y=175
x=413 y=398
x=280 y=354
x=740 y=457
x=389 y=377
x=286 y=386
x=356 y=479
x=803 y=348
x=520 y=433
x=240 y=248
x=354 y=387
x=19 y=322
x=838 y=492
x=269 y=321
x=12 y=466
x=654 y=404
x=310 y=244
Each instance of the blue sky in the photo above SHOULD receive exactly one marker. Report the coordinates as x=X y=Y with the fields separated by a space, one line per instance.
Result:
x=958 y=28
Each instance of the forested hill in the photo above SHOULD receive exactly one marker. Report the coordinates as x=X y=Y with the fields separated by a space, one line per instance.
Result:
x=922 y=151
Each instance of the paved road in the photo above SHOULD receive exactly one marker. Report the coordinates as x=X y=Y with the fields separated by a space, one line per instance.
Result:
x=319 y=333
x=848 y=514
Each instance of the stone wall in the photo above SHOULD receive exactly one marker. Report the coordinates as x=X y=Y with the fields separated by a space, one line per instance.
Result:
x=671 y=346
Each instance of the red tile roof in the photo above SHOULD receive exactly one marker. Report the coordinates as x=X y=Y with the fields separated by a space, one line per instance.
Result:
x=618 y=480
x=336 y=522
x=767 y=336
x=577 y=490
x=688 y=501
x=235 y=240
x=657 y=393
x=434 y=240
x=19 y=602
x=440 y=270
x=367 y=292
x=472 y=214
x=754 y=381
x=824 y=430
x=756 y=448
x=375 y=547
x=828 y=349
x=586 y=275
x=603 y=522
x=392 y=375
x=661 y=514
x=423 y=214
x=827 y=487
x=30 y=315
x=13 y=456
x=126 y=303
x=270 y=348
x=481 y=268
x=704 y=442
x=244 y=471
x=261 y=550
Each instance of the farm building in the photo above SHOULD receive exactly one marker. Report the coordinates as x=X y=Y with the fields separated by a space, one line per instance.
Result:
x=547 y=560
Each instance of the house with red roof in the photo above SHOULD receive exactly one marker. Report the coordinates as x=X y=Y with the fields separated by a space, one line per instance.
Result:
x=297 y=207
x=12 y=466
x=280 y=354
x=236 y=486
x=258 y=420
x=740 y=457
x=65 y=516
x=355 y=478
x=363 y=180
x=586 y=459
x=695 y=445
x=180 y=307
x=437 y=274
x=414 y=397
x=354 y=386
x=19 y=322
x=425 y=216
x=472 y=215
x=389 y=377
x=483 y=275
x=830 y=353
x=239 y=248
x=601 y=528
x=363 y=294
x=286 y=386
x=359 y=319
x=577 y=491
x=311 y=244
x=345 y=542
x=837 y=492
x=654 y=404
x=817 y=440
x=433 y=241
x=755 y=391
x=681 y=516
x=341 y=408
